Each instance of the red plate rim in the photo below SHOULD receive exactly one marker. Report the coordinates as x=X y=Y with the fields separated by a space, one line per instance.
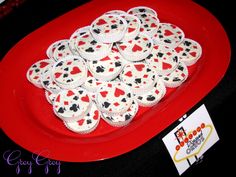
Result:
x=201 y=26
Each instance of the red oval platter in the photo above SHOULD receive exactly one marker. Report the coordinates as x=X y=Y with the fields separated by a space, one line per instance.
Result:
x=28 y=119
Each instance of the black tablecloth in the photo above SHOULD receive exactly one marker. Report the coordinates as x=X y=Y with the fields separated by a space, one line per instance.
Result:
x=150 y=159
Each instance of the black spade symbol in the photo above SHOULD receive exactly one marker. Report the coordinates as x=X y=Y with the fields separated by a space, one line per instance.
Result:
x=167 y=41
x=90 y=49
x=146 y=26
x=140 y=97
x=59 y=64
x=142 y=10
x=127 y=116
x=45 y=82
x=121 y=22
x=150 y=98
x=175 y=59
x=176 y=79
x=117 y=63
x=62 y=47
x=181 y=68
x=93 y=42
x=159 y=54
x=90 y=81
x=129 y=95
x=106 y=104
x=166 y=78
x=187 y=50
x=123 y=100
x=138 y=80
x=113 y=26
x=109 y=118
x=143 y=15
x=137 y=38
x=75 y=98
x=61 y=110
x=149 y=45
x=129 y=84
x=82 y=33
x=66 y=69
x=36 y=70
x=89 y=121
x=65 y=75
x=150 y=56
x=81 y=91
x=97 y=31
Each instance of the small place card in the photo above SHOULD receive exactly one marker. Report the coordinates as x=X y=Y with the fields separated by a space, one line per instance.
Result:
x=188 y=141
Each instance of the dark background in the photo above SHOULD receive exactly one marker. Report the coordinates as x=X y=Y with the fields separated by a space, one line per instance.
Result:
x=151 y=159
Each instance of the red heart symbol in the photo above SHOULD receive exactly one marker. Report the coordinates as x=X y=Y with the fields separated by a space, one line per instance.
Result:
x=81 y=43
x=57 y=75
x=129 y=74
x=123 y=47
x=139 y=67
x=115 y=49
x=30 y=72
x=58 y=98
x=90 y=74
x=116 y=104
x=104 y=93
x=105 y=59
x=101 y=22
x=156 y=47
x=80 y=122
x=119 y=92
x=178 y=49
x=95 y=117
x=193 y=54
x=85 y=98
x=166 y=65
x=85 y=36
x=168 y=33
x=75 y=70
x=145 y=39
x=70 y=93
x=43 y=64
x=130 y=30
x=153 y=25
x=136 y=48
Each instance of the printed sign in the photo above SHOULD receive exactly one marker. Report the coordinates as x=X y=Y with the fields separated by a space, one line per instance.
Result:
x=191 y=139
